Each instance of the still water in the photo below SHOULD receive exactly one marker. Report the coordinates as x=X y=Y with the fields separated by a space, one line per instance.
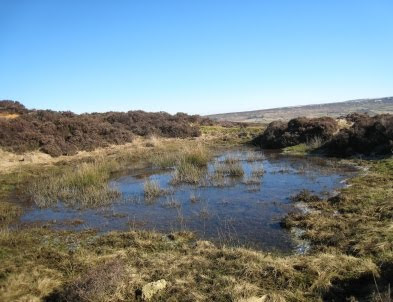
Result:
x=242 y=210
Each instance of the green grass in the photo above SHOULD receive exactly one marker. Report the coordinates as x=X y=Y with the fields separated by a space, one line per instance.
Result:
x=231 y=135
x=303 y=149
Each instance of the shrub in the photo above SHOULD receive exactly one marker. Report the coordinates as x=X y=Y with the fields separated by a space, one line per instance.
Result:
x=300 y=130
x=65 y=133
x=368 y=135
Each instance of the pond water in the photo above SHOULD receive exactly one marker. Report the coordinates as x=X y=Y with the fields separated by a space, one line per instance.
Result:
x=243 y=210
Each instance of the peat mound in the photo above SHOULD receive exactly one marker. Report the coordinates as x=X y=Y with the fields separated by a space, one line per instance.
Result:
x=300 y=130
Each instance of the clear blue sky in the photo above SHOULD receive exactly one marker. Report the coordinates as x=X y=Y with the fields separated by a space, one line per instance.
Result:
x=195 y=56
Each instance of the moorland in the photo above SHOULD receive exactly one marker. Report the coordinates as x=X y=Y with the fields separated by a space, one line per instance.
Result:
x=50 y=158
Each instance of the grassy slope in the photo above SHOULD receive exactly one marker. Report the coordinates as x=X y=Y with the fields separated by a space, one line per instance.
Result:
x=351 y=236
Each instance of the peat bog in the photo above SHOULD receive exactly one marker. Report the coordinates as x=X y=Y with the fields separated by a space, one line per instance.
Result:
x=239 y=198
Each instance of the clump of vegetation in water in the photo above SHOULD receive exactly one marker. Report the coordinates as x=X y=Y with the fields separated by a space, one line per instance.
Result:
x=257 y=170
x=233 y=169
x=190 y=165
x=152 y=189
x=186 y=172
x=82 y=185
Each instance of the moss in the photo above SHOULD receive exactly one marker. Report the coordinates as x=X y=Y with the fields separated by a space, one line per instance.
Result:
x=300 y=149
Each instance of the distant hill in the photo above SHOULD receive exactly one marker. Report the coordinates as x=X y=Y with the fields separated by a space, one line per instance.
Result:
x=370 y=106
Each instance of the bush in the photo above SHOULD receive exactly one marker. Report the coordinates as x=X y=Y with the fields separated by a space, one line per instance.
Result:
x=65 y=133
x=368 y=136
x=300 y=130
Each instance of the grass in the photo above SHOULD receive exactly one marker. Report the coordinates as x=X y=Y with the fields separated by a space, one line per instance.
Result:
x=195 y=154
x=89 y=267
x=82 y=185
x=253 y=156
x=257 y=170
x=358 y=222
x=186 y=172
x=152 y=190
x=190 y=165
x=351 y=239
x=303 y=149
x=231 y=135
x=234 y=169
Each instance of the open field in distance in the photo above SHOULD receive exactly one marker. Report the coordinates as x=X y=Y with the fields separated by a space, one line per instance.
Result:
x=370 y=106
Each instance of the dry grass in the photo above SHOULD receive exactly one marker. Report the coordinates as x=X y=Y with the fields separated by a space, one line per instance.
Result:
x=186 y=172
x=82 y=185
x=234 y=169
x=115 y=266
x=9 y=116
x=152 y=190
x=257 y=170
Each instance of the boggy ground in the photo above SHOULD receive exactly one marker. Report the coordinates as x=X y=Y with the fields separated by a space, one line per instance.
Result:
x=351 y=237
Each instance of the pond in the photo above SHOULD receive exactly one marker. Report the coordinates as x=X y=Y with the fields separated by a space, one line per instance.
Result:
x=229 y=209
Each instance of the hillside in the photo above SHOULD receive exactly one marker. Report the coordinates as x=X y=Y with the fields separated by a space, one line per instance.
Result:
x=370 y=106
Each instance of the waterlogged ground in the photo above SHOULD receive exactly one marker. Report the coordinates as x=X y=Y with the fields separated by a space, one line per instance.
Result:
x=242 y=210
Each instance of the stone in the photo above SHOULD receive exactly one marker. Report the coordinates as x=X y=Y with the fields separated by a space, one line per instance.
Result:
x=150 y=289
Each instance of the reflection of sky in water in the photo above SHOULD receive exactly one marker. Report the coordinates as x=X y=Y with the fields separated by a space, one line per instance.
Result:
x=238 y=214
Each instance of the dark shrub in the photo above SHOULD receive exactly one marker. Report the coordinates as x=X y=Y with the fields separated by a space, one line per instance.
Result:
x=280 y=134
x=368 y=135
x=65 y=133
x=12 y=107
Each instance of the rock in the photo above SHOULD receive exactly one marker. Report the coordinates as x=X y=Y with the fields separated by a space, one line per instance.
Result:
x=264 y=298
x=150 y=289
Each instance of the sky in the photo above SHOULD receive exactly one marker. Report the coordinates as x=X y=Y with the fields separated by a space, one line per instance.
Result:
x=194 y=56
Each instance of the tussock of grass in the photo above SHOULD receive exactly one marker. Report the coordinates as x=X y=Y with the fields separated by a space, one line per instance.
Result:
x=257 y=170
x=83 y=185
x=253 y=156
x=231 y=160
x=171 y=202
x=186 y=172
x=197 y=155
x=190 y=166
x=152 y=189
x=251 y=180
x=234 y=169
